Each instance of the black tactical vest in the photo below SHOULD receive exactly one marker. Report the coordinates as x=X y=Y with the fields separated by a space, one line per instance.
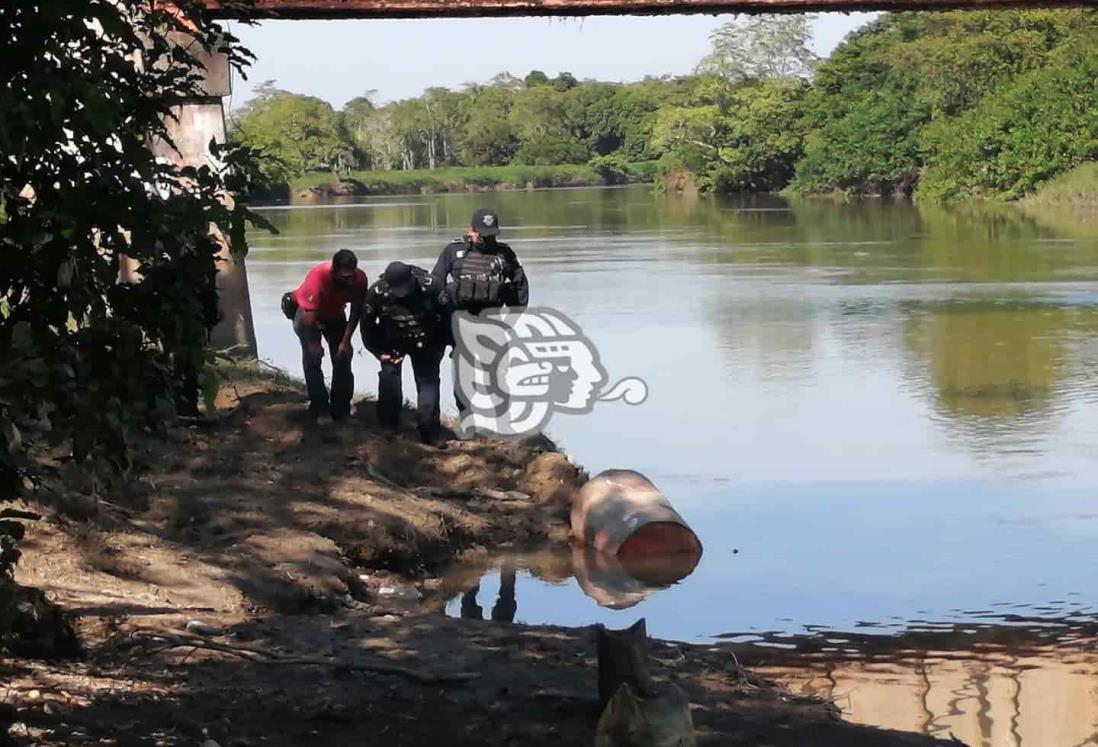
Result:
x=478 y=278
x=405 y=327
x=406 y=319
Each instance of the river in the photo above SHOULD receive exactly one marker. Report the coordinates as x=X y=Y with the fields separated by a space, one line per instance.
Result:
x=880 y=418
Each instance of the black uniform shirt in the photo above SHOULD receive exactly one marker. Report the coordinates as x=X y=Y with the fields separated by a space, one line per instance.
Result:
x=431 y=299
x=516 y=291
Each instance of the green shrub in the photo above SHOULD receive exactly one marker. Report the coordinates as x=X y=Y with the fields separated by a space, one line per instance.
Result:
x=874 y=149
x=1020 y=136
x=83 y=357
x=550 y=150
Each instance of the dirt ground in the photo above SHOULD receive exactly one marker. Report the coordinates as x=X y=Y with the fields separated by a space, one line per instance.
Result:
x=230 y=591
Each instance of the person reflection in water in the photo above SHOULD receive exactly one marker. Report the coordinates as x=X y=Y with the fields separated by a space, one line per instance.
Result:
x=505 y=606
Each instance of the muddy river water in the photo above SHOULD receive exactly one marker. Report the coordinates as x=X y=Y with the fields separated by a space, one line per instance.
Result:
x=881 y=419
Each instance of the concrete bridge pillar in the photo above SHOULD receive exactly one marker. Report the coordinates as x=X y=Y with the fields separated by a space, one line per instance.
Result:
x=197 y=122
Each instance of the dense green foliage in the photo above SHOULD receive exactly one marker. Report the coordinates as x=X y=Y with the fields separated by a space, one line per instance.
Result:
x=736 y=139
x=85 y=86
x=299 y=133
x=946 y=106
x=536 y=121
x=1019 y=136
x=959 y=103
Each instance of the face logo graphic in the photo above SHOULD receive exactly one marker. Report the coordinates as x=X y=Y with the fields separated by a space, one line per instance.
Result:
x=515 y=369
x=489 y=220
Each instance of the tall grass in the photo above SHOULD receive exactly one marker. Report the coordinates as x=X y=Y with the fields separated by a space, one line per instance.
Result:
x=1075 y=188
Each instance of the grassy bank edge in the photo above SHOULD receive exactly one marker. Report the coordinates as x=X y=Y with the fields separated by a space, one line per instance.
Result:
x=473 y=178
x=1077 y=188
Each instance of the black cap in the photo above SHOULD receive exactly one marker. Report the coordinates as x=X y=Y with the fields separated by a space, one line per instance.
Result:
x=486 y=222
x=398 y=276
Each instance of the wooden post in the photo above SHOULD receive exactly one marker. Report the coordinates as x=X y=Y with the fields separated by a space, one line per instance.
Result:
x=623 y=658
x=634 y=710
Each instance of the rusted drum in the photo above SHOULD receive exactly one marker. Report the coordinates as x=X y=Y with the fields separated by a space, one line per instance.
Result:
x=620 y=512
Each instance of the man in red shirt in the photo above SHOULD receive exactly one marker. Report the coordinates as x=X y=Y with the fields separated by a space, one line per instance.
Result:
x=320 y=300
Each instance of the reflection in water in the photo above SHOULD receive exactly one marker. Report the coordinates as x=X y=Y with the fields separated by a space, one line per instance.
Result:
x=1008 y=676
x=996 y=361
x=1028 y=682
x=609 y=581
x=505 y=607
x=619 y=583
x=1043 y=698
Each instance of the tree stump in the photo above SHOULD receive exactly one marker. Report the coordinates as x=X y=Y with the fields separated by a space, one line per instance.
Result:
x=634 y=710
x=623 y=659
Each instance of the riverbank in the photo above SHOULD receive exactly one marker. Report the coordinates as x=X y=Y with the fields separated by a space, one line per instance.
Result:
x=1074 y=190
x=466 y=179
x=306 y=561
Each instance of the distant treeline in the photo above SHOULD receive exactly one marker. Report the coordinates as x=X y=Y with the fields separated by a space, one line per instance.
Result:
x=531 y=121
x=941 y=105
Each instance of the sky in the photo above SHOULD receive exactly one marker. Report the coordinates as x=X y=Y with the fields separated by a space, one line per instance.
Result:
x=338 y=60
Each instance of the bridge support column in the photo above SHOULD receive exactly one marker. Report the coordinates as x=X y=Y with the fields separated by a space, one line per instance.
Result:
x=197 y=122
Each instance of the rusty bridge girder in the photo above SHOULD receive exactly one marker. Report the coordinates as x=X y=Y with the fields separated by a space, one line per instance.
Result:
x=331 y=9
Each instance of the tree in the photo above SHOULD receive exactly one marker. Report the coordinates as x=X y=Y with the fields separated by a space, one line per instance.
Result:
x=550 y=150
x=85 y=359
x=1018 y=137
x=594 y=116
x=446 y=117
x=565 y=82
x=296 y=133
x=489 y=138
x=874 y=149
x=538 y=112
x=609 y=117
x=762 y=46
x=360 y=116
x=411 y=133
x=507 y=81
x=749 y=142
x=536 y=78
x=897 y=101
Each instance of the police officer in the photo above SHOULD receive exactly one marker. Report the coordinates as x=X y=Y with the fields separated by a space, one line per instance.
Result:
x=479 y=272
x=407 y=313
